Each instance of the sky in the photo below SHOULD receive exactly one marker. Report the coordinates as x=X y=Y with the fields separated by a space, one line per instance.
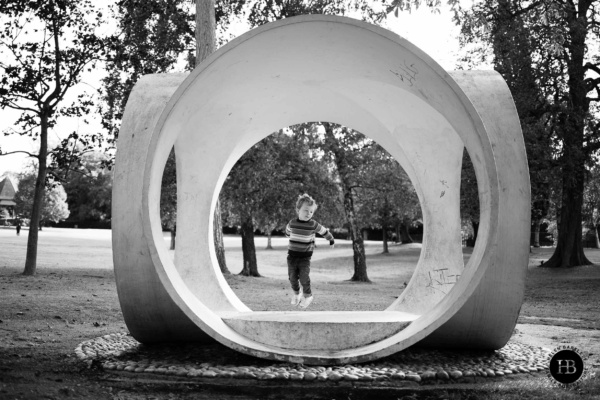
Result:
x=433 y=33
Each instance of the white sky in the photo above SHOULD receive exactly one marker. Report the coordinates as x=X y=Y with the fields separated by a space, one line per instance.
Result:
x=435 y=34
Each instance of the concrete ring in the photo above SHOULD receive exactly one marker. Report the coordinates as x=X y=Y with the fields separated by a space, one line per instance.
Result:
x=334 y=69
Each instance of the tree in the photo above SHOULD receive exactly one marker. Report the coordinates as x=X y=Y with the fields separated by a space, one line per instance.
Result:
x=55 y=207
x=88 y=185
x=243 y=191
x=387 y=198
x=555 y=38
x=349 y=152
x=46 y=46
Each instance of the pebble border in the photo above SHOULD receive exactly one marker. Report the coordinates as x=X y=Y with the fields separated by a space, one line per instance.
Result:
x=121 y=352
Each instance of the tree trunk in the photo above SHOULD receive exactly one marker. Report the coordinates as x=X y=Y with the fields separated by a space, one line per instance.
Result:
x=358 y=245
x=475 y=231
x=173 y=234
x=218 y=238
x=385 y=242
x=569 y=247
x=38 y=201
x=249 y=251
x=205 y=45
x=596 y=238
x=404 y=233
x=205 y=29
x=269 y=245
x=398 y=233
x=536 y=233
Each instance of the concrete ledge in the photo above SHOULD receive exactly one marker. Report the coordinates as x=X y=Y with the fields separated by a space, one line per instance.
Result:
x=325 y=330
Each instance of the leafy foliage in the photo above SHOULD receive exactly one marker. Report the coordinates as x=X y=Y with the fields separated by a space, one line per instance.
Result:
x=469 y=199
x=168 y=194
x=89 y=190
x=152 y=36
x=547 y=53
x=55 y=207
x=46 y=46
x=264 y=11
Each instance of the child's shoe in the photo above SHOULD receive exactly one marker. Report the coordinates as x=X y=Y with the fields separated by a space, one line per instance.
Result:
x=296 y=298
x=305 y=302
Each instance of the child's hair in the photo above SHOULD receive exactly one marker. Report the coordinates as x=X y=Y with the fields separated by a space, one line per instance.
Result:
x=305 y=198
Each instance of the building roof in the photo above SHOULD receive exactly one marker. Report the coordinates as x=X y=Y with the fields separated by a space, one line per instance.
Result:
x=7 y=189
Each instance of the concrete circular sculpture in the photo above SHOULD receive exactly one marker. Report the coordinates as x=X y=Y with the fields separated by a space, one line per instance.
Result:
x=322 y=68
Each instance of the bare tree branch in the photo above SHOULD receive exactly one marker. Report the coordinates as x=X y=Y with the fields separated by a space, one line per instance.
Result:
x=19 y=151
x=594 y=67
x=14 y=106
x=22 y=133
x=57 y=61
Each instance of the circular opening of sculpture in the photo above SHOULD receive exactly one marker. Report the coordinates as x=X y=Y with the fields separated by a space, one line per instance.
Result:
x=359 y=205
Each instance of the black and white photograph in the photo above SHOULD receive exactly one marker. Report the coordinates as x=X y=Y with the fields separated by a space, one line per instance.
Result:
x=300 y=199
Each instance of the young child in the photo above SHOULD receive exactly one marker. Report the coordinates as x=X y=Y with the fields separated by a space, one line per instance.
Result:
x=301 y=232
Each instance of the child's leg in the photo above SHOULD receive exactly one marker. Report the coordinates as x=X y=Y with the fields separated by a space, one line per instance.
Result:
x=293 y=274
x=304 y=276
x=305 y=281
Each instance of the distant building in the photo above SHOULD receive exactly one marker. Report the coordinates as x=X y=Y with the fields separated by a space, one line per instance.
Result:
x=7 y=199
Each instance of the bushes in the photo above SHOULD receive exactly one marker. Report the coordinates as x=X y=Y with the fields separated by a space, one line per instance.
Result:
x=104 y=224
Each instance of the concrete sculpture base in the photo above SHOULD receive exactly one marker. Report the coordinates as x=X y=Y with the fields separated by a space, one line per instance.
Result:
x=322 y=68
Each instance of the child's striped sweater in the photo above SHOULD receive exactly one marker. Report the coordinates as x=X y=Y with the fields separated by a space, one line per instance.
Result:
x=302 y=237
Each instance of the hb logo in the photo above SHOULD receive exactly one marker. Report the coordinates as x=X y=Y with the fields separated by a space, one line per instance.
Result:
x=566 y=366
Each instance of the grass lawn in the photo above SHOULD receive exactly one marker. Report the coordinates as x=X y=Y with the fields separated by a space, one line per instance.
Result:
x=73 y=298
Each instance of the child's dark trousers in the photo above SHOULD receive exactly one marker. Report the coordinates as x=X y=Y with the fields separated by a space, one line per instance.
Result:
x=299 y=270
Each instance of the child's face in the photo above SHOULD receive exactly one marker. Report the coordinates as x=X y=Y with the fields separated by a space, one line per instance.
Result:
x=306 y=212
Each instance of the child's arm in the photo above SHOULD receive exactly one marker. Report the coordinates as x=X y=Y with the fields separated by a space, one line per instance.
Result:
x=288 y=230
x=321 y=230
